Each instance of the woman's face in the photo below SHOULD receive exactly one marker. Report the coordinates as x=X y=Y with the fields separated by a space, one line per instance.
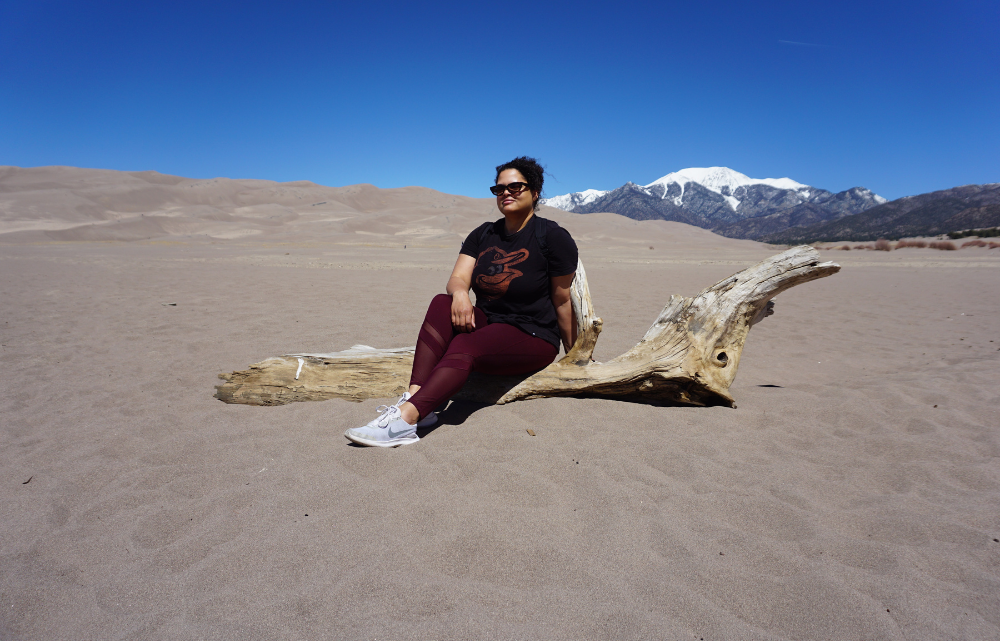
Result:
x=509 y=203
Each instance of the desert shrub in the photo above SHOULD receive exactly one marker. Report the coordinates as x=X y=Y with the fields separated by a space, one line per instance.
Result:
x=883 y=245
x=982 y=233
x=946 y=245
x=862 y=247
x=920 y=244
x=973 y=243
x=994 y=245
x=845 y=248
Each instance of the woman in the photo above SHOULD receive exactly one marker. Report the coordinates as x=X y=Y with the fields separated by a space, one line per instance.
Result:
x=521 y=268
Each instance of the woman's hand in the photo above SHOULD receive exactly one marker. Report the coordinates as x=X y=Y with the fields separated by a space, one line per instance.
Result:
x=463 y=316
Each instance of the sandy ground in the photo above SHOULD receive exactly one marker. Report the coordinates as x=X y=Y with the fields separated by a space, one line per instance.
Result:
x=853 y=494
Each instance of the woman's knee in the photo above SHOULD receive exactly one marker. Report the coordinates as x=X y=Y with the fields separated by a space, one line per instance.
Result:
x=441 y=300
x=439 y=307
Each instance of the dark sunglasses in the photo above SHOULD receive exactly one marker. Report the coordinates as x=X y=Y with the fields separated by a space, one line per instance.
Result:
x=513 y=188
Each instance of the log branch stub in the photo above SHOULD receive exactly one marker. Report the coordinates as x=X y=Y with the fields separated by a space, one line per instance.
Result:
x=588 y=325
x=689 y=355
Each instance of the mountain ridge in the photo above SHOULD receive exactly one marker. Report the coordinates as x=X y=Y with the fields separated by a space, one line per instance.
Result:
x=722 y=200
x=930 y=214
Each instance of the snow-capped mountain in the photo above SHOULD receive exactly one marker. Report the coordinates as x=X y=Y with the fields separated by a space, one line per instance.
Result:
x=719 y=198
x=568 y=201
x=721 y=180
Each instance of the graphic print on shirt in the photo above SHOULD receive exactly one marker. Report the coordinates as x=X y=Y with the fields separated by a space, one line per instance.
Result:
x=496 y=278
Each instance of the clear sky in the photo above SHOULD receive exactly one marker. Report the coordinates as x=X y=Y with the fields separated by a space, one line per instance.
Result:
x=899 y=97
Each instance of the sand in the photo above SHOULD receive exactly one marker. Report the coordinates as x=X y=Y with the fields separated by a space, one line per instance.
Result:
x=853 y=494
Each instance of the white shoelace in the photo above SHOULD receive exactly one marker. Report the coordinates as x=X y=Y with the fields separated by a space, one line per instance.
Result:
x=390 y=414
x=385 y=411
x=382 y=409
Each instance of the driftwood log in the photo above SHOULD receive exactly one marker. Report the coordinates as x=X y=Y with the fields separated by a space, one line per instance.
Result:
x=690 y=354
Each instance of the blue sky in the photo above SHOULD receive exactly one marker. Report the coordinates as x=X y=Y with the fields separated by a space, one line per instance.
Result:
x=903 y=98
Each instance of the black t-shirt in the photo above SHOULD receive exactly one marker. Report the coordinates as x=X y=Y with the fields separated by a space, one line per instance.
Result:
x=511 y=276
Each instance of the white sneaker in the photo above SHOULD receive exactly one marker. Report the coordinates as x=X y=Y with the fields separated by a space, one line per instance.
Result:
x=388 y=430
x=426 y=421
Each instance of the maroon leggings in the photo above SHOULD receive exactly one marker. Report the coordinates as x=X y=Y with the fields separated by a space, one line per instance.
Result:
x=444 y=358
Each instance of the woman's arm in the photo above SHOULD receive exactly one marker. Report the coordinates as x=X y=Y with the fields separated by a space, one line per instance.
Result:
x=564 y=309
x=463 y=319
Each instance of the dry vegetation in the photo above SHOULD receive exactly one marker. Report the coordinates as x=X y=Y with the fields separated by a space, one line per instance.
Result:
x=982 y=233
x=885 y=245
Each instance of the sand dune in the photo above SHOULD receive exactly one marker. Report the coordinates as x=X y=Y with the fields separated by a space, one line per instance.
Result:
x=72 y=204
x=853 y=494
x=67 y=203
